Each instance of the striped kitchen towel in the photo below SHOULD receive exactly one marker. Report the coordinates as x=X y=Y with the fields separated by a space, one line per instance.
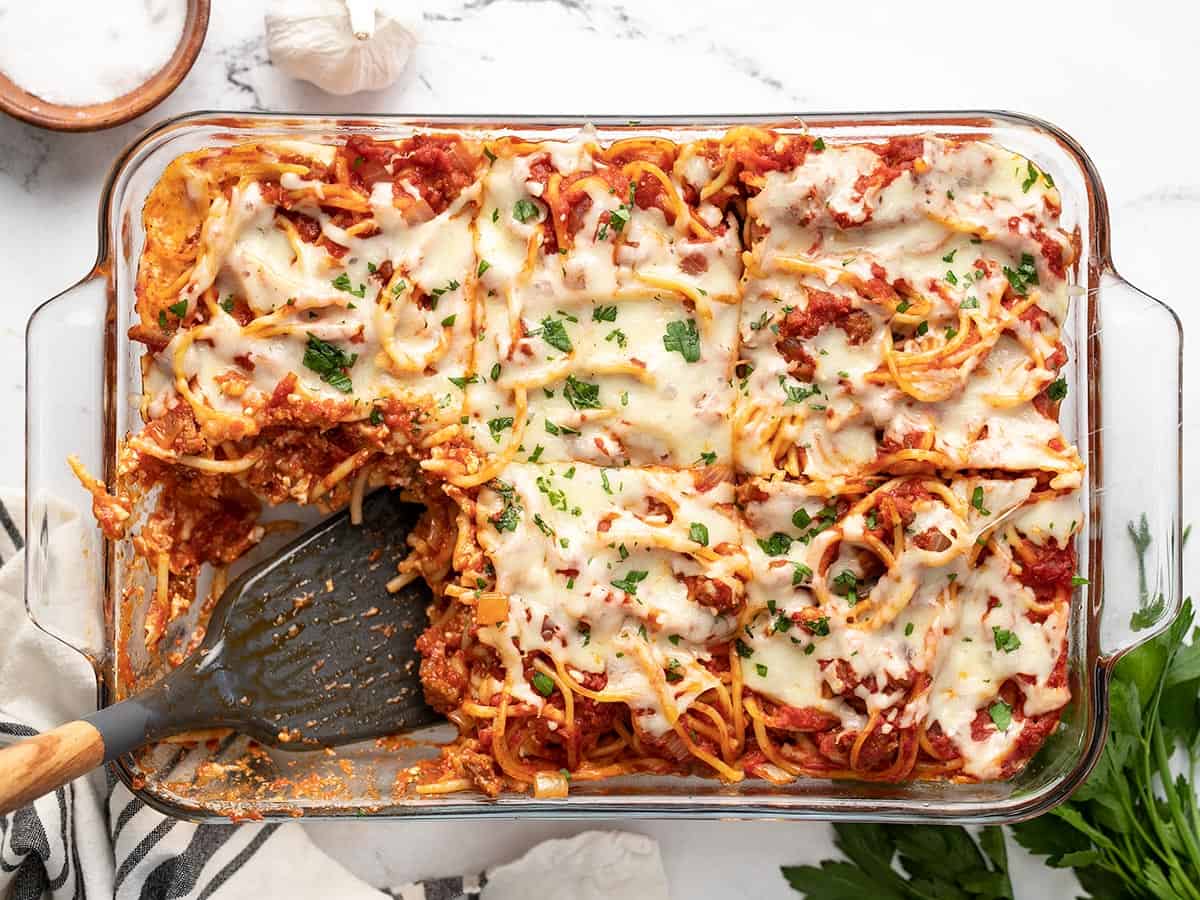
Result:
x=93 y=838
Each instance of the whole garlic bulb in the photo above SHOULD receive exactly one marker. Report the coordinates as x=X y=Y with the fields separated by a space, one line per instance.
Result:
x=341 y=46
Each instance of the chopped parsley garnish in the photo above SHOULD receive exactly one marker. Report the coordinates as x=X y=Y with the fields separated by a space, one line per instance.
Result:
x=536 y=454
x=819 y=627
x=1031 y=177
x=554 y=333
x=499 y=424
x=399 y=287
x=761 y=670
x=682 y=337
x=801 y=518
x=708 y=458
x=617 y=335
x=674 y=639
x=629 y=584
x=761 y=322
x=604 y=314
x=495 y=373
x=581 y=394
x=698 y=532
x=436 y=293
x=923 y=329
x=180 y=308
x=376 y=417
x=489 y=154
x=556 y=498
x=818 y=145
x=542 y=526
x=969 y=303
x=461 y=383
x=674 y=673
x=1023 y=276
x=1005 y=639
x=484 y=265
x=777 y=544
x=908 y=629
x=871 y=519
x=951 y=332
x=623 y=552
x=951 y=277
x=1057 y=390
x=342 y=283
x=524 y=210
x=542 y=683
x=846 y=584
x=949 y=257
x=744 y=650
x=797 y=393
x=329 y=362
x=903 y=306
x=227 y=304
x=556 y=430
x=510 y=516
x=977 y=501
x=1077 y=580
x=604 y=481
x=1001 y=714
x=801 y=574
x=449 y=321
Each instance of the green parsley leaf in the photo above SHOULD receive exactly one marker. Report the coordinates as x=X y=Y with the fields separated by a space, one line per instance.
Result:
x=819 y=627
x=801 y=574
x=1057 y=390
x=683 y=338
x=376 y=416
x=495 y=373
x=227 y=304
x=1005 y=640
x=342 y=283
x=761 y=670
x=903 y=306
x=977 y=501
x=698 y=532
x=329 y=362
x=498 y=425
x=483 y=266
x=969 y=303
x=1023 y=276
x=524 y=210
x=617 y=335
x=510 y=516
x=180 y=308
x=708 y=458
x=777 y=544
x=1001 y=714
x=908 y=629
x=1078 y=580
x=448 y=322
x=818 y=145
x=554 y=333
x=922 y=329
x=604 y=314
x=542 y=683
x=629 y=584
x=801 y=518
x=581 y=394
x=744 y=650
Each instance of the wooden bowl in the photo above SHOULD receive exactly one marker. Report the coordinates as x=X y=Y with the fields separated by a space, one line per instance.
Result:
x=23 y=105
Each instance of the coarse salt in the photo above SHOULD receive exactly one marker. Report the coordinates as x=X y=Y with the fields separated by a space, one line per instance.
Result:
x=79 y=52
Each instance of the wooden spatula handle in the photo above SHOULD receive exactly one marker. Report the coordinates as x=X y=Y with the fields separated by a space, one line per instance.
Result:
x=45 y=762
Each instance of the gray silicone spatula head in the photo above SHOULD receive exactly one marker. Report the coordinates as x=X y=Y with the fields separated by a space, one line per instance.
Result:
x=307 y=649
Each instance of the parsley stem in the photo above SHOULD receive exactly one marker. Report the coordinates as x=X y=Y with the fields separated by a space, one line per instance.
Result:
x=1182 y=827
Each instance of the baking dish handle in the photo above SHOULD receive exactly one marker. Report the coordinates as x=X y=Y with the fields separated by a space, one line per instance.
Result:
x=1136 y=355
x=65 y=413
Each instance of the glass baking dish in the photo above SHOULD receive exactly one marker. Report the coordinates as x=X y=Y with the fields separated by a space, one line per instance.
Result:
x=1123 y=411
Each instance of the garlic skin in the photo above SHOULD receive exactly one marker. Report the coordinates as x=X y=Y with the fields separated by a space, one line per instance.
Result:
x=341 y=46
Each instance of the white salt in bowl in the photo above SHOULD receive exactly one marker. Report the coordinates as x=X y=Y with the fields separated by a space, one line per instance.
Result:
x=18 y=102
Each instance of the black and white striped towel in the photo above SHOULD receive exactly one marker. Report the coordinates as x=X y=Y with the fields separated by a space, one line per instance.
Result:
x=93 y=838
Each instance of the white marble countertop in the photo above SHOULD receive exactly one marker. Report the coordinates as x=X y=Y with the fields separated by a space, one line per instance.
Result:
x=1112 y=74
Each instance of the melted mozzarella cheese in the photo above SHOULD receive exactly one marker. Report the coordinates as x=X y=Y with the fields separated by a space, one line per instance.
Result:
x=610 y=601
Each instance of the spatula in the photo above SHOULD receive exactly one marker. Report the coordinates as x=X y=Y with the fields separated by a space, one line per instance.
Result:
x=305 y=650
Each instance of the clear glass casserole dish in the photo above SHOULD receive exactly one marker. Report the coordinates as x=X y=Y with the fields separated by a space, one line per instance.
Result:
x=1123 y=412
